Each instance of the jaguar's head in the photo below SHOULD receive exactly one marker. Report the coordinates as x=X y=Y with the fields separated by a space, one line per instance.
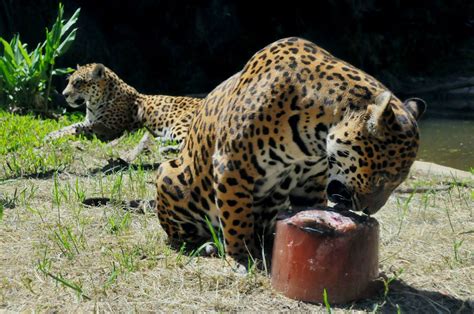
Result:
x=370 y=154
x=86 y=84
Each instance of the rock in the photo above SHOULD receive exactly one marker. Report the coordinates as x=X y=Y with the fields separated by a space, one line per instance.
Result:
x=430 y=168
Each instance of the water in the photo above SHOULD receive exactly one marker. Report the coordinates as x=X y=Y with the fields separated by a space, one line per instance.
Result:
x=448 y=142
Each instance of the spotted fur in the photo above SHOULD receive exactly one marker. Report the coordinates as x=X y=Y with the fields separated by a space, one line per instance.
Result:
x=295 y=127
x=114 y=107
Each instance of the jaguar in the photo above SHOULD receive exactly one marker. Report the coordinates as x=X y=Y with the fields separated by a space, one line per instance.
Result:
x=294 y=128
x=114 y=107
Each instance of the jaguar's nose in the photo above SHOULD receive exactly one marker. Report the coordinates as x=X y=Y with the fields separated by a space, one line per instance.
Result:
x=66 y=94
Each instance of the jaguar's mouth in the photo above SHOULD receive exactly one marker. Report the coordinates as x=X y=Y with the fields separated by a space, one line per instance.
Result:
x=339 y=194
x=79 y=101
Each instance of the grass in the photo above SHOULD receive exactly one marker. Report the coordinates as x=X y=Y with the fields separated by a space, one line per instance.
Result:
x=56 y=255
x=77 y=287
x=217 y=240
x=23 y=153
x=21 y=145
x=326 y=302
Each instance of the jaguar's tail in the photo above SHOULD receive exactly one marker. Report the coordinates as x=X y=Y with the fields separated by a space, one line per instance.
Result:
x=138 y=206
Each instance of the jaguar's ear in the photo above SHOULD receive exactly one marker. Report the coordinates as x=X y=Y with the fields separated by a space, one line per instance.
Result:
x=77 y=66
x=415 y=106
x=376 y=112
x=98 y=72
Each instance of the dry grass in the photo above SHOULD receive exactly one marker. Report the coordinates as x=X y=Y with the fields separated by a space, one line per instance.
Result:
x=56 y=254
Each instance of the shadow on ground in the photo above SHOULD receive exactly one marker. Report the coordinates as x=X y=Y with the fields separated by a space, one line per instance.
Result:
x=112 y=166
x=407 y=299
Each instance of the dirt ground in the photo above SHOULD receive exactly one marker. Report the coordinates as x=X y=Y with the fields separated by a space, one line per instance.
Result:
x=57 y=255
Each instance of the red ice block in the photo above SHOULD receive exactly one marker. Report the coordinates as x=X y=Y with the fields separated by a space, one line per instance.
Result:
x=324 y=249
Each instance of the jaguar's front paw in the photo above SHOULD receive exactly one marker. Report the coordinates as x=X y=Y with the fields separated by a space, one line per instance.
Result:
x=172 y=149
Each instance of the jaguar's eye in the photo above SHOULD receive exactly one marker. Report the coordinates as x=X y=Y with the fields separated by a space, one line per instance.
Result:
x=77 y=82
x=382 y=179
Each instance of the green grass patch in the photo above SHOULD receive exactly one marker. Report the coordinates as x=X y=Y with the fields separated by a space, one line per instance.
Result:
x=22 y=149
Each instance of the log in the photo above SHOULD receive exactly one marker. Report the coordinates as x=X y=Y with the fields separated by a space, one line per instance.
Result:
x=322 y=249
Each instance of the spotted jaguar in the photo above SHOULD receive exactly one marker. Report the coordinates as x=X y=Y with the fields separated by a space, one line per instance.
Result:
x=114 y=107
x=294 y=128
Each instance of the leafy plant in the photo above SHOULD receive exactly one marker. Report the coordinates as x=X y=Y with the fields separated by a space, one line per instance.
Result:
x=25 y=77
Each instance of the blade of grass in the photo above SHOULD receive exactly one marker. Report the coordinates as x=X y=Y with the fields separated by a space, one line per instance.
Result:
x=66 y=283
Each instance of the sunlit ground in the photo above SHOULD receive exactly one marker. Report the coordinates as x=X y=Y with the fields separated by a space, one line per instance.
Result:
x=57 y=255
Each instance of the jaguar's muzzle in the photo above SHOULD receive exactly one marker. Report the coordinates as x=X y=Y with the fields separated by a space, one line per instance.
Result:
x=338 y=193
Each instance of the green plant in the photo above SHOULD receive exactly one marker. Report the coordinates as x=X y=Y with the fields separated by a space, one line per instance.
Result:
x=45 y=263
x=119 y=222
x=389 y=280
x=447 y=209
x=25 y=77
x=117 y=187
x=181 y=254
x=251 y=267
x=112 y=278
x=67 y=241
x=404 y=210
x=7 y=201
x=216 y=239
x=127 y=260
x=79 y=191
x=44 y=268
x=28 y=194
x=326 y=301
x=456 y=246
